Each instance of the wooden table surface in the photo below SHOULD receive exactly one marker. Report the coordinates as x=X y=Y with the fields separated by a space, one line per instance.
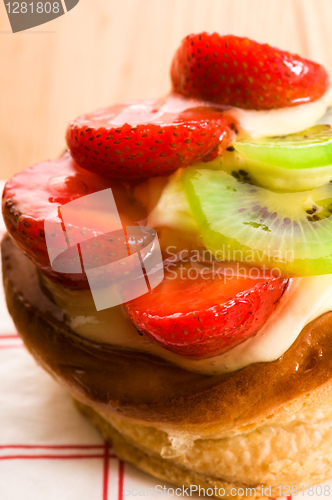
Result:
x=104 y=51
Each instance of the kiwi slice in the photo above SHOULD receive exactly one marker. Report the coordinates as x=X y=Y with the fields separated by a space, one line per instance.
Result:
x=274 y=177
x=307 y=149
x=242 y=222
x=292 y=162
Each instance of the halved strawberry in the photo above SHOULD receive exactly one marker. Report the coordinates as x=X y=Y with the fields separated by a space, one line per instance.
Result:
x=142 y=139
x=200 y=317
x=31 y=195
x=240 y=72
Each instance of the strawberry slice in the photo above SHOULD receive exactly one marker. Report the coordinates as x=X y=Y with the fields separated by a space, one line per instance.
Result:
x=142 y=139
x=200 y=318
x=240 y=72
x=31 y=195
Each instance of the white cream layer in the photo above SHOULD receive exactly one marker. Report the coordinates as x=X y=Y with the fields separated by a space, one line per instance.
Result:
x=281 y=121
x=305 y=299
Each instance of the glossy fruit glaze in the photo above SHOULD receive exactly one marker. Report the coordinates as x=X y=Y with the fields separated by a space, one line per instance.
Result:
x=143 y=139
x=240 y=72
x=30 y=196
x=201 y=315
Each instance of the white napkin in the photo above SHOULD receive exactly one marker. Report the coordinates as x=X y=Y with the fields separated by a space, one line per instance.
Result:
x=48 y=450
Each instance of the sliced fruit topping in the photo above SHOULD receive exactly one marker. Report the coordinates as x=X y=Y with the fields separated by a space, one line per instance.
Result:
x=205 y=316
x=240 y=72
x=295 y=162
x=246 y=223
x=280 y=179
x=307 y=149
x=143 y=139
x=33 y=194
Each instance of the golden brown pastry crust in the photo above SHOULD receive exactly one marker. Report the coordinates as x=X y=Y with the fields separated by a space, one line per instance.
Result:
x=154 y=465
x=273 y=455
x=148 y=390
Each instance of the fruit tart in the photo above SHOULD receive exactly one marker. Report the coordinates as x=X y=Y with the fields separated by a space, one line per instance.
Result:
x=173 y=270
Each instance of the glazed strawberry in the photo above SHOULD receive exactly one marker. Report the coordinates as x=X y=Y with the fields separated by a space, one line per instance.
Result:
x=143 y=139
x=201 y=318
x=30 y=196
x=240 y=72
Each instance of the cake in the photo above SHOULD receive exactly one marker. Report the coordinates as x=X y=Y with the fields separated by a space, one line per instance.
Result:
x=172 y=270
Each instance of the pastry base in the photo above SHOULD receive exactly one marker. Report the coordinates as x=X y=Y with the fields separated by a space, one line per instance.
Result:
x=158 y=467
x=144 y=447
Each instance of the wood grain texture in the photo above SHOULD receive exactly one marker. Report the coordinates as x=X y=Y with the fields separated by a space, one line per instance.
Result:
x=105 y=51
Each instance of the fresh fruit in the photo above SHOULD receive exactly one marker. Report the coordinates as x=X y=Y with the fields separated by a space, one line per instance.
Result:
x=307 y=149
x=142 y=139
x=33 y=194
x=240 y=72
x=247 y=161
x=246 y=223
x=275 y=178
x=200 y=317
